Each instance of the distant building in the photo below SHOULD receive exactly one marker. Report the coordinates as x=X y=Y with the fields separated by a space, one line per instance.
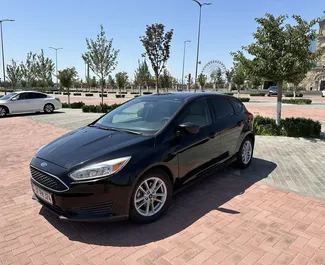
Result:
x=315 y=79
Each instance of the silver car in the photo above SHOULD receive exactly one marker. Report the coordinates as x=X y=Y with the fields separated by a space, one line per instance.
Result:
x=28 y=101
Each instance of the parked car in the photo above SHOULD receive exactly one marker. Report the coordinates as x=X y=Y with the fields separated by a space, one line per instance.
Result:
x=129 y=162
x=272 y=91
x=28 y=101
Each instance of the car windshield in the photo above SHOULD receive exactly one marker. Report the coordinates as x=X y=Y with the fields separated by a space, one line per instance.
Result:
x=144 y=115
x=8 y=96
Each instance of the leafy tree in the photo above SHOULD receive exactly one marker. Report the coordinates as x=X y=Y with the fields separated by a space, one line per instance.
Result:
x=255 y=81
x=239 y=76
x=44 y=68
x=142 y=74
x=67 y=78
x=166 y=80
x=280 y=52
x=121 y=80
x=29 y=69
x=14 y=73
x=93 y=82
x=157 y=45
x=229 y=74
x=216 y=77
x=23 y=83
x=101 y=56
x=111 y=82
x=202 y=79
x=296 y=81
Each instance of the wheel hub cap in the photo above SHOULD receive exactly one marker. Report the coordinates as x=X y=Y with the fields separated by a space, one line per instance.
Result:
x=247 y=152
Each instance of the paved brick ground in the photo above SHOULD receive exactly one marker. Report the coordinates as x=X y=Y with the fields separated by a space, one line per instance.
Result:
x=227 y=219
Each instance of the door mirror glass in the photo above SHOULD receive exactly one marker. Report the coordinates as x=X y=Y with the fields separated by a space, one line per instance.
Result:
x=14 y=98
x=189 y=128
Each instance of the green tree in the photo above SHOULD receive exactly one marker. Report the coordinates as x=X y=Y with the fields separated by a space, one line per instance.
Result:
x=296 y=81
x=101 y=57
x=255 y=81
x=157 y=45
x=239 y=76
x=202 y=79
x=216 y=77
x=281 y=52
x=229 y=74
x=166 y=80
x=121 y=80
x=29 y=69
x=142 y=74
x=67 y=78
x=44 y=68
x=93 y=82
x=111 y=82
x=14 y=73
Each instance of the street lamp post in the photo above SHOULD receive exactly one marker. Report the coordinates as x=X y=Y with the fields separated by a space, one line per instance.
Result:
x=56 y=64
x=3 y=53
x=198 y=40
x=184 y=61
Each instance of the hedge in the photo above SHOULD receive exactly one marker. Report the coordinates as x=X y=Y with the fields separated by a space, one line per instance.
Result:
x=57 y=93
x=134 y=93
x=120 y=96
x=229 y=93
x=66 y=93
x=146 y=93
x=291 y=127
x=102 y=108
x=258 y=94
x=104 y=95
x=297 y=101
x=74 y=105
x=244 y=99
x=89 y=94
x=290 y=95
x=111 y=92
x=123 y=92
x=77 y=94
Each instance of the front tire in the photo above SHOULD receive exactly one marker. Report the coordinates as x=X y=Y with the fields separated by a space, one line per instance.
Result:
x=245 y=154
x=48 y=108
x=151 y=197
x=3 y=112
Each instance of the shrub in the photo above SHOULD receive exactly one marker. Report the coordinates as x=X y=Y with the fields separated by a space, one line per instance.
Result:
x=74 y=105
x=291 y=127
x=124 y=93
x=261 y=94
x=57 y=93
x=66 y=93
x=290 y=95
x=104 y=95
x=146 y=93
x=89 y=94
x=300 y=101
x=111 y=92
x=134 y=93
x=102 y=108
x=120 y=96
x=77 y=94
x=229 y=93
x=244 y=99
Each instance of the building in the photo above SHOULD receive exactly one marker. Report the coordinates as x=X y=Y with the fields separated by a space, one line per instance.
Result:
x=315 y=79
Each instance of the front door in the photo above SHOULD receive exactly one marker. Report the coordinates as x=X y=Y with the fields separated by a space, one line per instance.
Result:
x=20 y=103
x=197 y=152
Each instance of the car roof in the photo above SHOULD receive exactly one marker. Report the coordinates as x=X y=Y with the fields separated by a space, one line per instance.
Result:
x=186 y=95
x=29 y=91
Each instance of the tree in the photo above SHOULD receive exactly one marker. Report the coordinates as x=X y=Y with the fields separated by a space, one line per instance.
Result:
x=229 y=74
x=44 y=68
x=296 y=81
x=166 y=80
x=280 y=52
x=121 y=80
x=93 y=82
x=239 y=76
x=14 y=73
x=142 y=74
x=255 y=81
x=111 y=82
x=29 y=69
x=101 y=57
x=202 y=79
x=216 y=77
x=67 y=78
x=157 y=45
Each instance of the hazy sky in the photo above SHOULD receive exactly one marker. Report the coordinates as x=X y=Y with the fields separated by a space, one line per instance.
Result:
x=226 y=26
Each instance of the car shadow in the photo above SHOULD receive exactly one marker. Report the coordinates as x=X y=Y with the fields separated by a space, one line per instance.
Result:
x=188 y=206
x=31 y=114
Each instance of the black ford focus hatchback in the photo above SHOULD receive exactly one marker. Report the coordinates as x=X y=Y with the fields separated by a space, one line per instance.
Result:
x=129 y=162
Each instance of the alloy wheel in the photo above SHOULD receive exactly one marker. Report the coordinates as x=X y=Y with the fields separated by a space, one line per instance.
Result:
x=49 y=108
x=150 y=196
x=247 y=151
x=3 y=112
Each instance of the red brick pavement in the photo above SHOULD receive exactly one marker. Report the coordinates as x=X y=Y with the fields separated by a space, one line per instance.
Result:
x=223 y=220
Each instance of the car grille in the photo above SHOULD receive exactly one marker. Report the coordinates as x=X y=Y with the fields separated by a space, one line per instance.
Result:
x=95 y=209
x=47 y=180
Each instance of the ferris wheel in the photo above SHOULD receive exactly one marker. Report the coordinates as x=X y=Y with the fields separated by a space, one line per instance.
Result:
x=212 y=67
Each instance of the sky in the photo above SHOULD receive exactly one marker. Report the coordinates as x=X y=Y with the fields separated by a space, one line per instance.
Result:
x=226 y=27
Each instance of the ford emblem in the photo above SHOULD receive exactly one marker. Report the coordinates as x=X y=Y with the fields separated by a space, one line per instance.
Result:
x=43 y=164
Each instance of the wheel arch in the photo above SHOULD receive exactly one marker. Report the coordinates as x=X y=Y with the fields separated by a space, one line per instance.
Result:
x=6 y=107
x=163 y=168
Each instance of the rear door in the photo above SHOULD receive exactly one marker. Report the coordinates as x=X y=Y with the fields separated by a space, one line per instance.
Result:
x=37 y=101
x=229 y=120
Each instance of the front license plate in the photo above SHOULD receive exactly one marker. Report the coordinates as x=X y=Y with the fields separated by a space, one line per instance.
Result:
x=42 y=194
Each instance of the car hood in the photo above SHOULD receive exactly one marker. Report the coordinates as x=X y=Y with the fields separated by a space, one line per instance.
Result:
x=90 y=144
x=3 y=101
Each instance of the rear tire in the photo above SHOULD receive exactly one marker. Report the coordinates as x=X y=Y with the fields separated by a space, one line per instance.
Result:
x=3 y=111
x=245 y=154
x=48 y=108
x=151 y=197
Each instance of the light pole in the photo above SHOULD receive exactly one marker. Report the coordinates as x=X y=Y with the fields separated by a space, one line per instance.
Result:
x=3 y=53
x=198 y=40
x=184 y=61
x=56 y=64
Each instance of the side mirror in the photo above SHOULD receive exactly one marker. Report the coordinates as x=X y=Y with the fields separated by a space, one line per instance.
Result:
x=14 y=99
x=189 y=128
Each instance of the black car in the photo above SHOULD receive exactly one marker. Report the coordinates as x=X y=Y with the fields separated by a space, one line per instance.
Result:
x=273 y=91
x=129 y=162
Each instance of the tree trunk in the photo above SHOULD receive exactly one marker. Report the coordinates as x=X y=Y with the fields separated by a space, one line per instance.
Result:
x=229 y=86
x=279 y=103
x=294 y=92
x=68 y=95
x=157 y=89
x=102 y=88
x=140 y=90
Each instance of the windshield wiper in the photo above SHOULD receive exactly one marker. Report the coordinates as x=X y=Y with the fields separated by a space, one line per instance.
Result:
x=115 y=129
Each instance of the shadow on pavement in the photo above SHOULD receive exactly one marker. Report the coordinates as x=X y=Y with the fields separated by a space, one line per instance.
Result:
x=187 y=207
x=31 y=114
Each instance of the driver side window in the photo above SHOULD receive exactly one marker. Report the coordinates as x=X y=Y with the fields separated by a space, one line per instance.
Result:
x=130 y=113
x=197 y=113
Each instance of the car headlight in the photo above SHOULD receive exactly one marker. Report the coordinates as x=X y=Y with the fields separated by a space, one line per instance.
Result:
x=101 y=169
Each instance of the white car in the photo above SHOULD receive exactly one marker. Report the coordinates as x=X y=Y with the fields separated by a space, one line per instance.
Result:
x=28 y=101
x=323 y=93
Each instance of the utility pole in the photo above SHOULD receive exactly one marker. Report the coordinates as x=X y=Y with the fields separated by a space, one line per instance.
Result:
x=56 y=64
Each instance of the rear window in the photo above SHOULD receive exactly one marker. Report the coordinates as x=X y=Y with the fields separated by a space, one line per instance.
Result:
x=238 y=106
x=222 y=107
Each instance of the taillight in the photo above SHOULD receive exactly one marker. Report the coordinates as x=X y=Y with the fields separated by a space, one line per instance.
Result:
x=58 y=99
x=250 y=116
